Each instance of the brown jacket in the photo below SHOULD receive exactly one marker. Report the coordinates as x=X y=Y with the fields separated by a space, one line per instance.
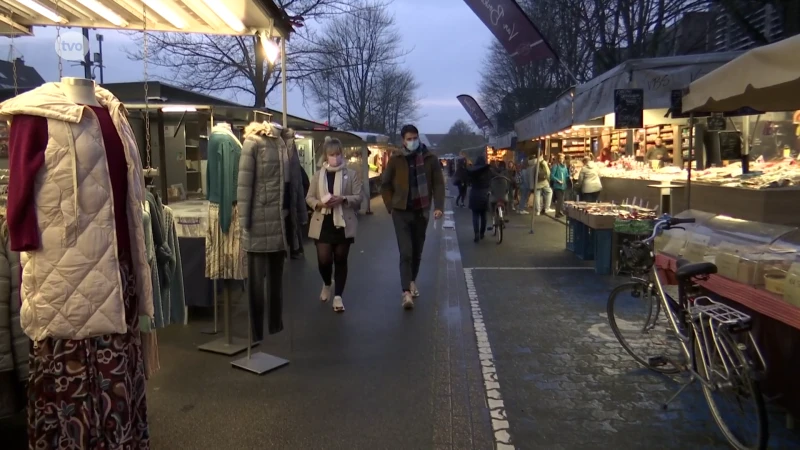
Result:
x=395 y=181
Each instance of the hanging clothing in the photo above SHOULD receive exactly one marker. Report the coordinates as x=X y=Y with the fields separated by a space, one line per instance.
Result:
x=76 y=200
x=225 y=256
x=261 y=190
x=296 y=197
x=174 y=297
x=13 y=342
x=62 y=220
x=222 y=172
x=151 y=260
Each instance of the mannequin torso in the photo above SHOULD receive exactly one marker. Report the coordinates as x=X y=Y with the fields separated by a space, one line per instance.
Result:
x=79 y=91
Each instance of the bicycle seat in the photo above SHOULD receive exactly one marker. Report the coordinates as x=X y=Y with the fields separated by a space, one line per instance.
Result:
x=688 y=269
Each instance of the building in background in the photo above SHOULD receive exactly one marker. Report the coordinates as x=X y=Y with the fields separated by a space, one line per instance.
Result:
x=729 y=35
x=27 y=76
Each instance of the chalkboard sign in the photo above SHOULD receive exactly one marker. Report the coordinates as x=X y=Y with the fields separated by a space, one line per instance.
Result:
x=676 y=105
x=730 y=146
x=628 y=108
x=717 y=122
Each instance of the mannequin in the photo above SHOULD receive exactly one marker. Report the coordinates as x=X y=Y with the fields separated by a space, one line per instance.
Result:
x=262 y=210
x=225 y=259
x=94 y=239
x=79 y=91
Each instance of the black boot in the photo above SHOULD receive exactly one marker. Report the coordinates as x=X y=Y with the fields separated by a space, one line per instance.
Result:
x=477 y=238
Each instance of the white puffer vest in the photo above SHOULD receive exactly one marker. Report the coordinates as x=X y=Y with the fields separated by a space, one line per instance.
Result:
x=72 y=287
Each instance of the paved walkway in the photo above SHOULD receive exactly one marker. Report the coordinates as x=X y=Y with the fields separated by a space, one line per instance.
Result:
x=564 y=379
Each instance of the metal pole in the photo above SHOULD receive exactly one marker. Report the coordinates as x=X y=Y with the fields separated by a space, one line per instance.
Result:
x=691 y=161
x=283 y=84
x=100 y=45
x=87 y=58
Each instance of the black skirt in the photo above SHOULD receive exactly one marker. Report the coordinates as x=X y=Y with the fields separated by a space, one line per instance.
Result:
x=332 y=235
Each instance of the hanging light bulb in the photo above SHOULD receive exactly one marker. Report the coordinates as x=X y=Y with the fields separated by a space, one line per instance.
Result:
x=271 y=49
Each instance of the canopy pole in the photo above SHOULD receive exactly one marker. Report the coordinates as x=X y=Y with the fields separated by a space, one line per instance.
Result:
x=283 y=84
x=569 y=72
x=691 y=161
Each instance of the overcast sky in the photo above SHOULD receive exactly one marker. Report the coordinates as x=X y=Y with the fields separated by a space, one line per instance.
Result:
x=447 y=43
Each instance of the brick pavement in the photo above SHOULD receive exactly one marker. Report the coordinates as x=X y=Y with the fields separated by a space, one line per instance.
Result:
x=564 y=379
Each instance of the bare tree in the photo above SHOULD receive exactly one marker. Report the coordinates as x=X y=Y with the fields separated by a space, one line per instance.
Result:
x=460 y=136
x=395 y=102
x=236 y=64
x=354 y=68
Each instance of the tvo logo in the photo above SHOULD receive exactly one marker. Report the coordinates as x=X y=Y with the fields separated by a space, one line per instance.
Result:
x=72 y=46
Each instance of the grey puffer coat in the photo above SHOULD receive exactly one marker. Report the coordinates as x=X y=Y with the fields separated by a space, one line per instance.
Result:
x=13 y=341
x=260 y=191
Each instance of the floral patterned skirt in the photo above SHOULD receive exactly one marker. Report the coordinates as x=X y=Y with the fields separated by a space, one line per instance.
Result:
x=90 y=393
x=225 y=258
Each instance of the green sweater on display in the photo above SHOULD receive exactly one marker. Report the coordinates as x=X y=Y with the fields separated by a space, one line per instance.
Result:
x=222 y=173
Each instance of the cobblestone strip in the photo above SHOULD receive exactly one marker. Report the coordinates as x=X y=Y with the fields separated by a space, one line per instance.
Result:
x=460 y=411
x=491 y=381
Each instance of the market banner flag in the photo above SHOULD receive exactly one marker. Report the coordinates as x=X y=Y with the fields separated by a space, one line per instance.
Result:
x=475 y=111
x=514 y=29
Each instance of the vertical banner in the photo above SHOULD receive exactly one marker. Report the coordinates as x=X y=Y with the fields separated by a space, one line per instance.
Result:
x=475 y=111
x=514 y=29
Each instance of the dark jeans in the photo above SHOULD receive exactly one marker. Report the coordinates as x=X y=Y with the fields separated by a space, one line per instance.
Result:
x=590 y=197
x=479 y=221
x=265 y=286
x=462 y=194
x=558 y=196
x=410 y=228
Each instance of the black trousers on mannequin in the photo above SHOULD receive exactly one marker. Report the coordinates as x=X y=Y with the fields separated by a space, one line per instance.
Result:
x=265 y=289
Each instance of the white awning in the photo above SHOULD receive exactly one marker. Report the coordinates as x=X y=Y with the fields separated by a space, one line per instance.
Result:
x=765 y=79
x=551 y=119
x=503 y=141
x=658 y=77
x=229 y=17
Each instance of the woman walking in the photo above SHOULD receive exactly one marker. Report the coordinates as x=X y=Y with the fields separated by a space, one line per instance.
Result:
x=480 y=180
x=335 y=196
x=461 y=182
x=589 y=181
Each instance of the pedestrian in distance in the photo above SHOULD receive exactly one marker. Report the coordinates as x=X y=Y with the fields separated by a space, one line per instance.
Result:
x=559 y=178
x=480 y=181
x=335 y=194
x=524 y=178
x=461 y=179
x=589 y=181
x=543 y=193
x=412 y=178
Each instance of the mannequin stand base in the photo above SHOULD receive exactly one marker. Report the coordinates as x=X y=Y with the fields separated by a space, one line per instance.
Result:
x=210 y=331
x=223 y=347
x=260 y=363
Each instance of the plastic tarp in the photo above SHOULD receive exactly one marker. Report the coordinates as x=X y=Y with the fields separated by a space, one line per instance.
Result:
x=765 y=79
x=658 y=77
x=551 y=119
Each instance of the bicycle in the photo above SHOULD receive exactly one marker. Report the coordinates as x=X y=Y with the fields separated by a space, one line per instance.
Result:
x=713 y=340
x=498 y=220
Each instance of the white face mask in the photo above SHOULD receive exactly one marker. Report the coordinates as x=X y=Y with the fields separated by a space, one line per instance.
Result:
x=412 y=145
x=335 y=160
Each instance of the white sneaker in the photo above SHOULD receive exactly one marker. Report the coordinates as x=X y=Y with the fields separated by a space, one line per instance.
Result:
x=408 y=300
x=325 y=295
x=414 y=290
x=523 y=212
x=338 y=306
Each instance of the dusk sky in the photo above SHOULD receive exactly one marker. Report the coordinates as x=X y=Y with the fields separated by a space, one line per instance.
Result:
x=447 y=44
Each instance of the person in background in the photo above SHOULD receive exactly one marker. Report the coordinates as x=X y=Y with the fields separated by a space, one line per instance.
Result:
x=543 y=193
x=335 y=195
x=412 y=178
x=658 y=152
x=559 y=177
x=605 y=155
x=461 y=179
x=523 y=176
x=589 y=181
x=479 y=177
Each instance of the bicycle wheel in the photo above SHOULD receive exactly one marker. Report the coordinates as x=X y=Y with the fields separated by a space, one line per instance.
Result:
x=494 y=223
x=499 y=235
x=635 y=316
x=732 y=375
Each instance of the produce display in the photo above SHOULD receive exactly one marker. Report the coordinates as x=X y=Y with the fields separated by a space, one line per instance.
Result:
x=773 y=174
x=610 y=215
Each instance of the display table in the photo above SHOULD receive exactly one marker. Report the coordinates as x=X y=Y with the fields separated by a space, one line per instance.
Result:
x=775 y=206
x=759 y=300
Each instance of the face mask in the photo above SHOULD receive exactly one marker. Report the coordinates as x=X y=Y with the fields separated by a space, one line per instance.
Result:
x=412 y=145
x=335 y=161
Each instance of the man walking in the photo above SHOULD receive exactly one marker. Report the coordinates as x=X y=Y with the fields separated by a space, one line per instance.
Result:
x=559 y=175
x=411 y=176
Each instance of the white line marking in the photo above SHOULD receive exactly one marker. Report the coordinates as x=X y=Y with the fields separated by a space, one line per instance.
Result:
x=530 y=268
x=491 y=382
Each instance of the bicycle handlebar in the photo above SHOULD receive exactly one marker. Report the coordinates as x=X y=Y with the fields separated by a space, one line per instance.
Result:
x=666 y=222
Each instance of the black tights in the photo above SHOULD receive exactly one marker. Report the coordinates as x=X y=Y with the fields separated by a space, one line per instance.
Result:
x=329 y=255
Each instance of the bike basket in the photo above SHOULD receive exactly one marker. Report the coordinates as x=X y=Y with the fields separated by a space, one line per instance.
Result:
x=637 y=256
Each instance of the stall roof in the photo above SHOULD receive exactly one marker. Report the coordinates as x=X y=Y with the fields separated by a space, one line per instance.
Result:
x=230 y=17
x=550 y=119
x=765 y=79
x=658 y=77
x=505 y=140
x=371 y=138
